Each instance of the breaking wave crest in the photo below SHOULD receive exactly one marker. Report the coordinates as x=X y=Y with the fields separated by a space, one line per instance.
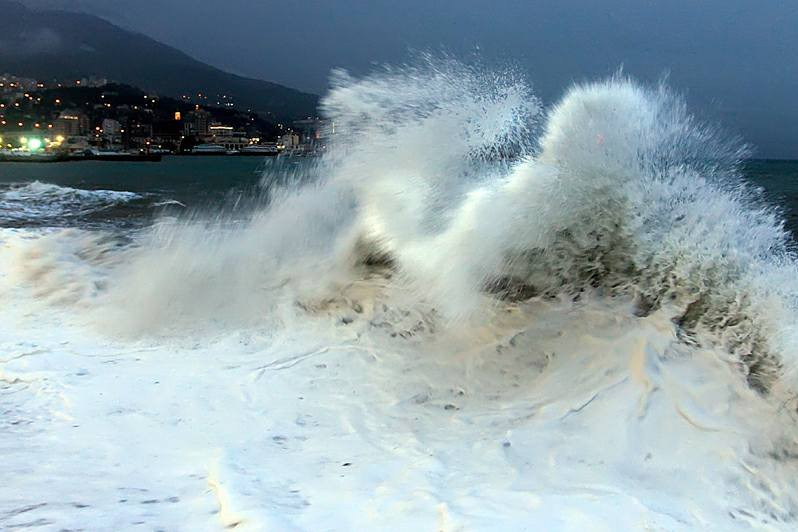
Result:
x=45 y=200
x=455 y=184
x=623 y=193
x=47 y=205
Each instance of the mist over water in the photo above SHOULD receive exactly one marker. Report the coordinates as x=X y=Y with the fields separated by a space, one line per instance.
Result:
x=450 y=202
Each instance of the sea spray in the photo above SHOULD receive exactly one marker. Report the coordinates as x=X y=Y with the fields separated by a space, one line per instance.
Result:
x=414 y=144
x=624 y=192
x=452 y=181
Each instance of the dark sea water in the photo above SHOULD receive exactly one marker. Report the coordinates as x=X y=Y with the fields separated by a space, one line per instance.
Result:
x=129 y=194
x=779 y=179
x=125 y=194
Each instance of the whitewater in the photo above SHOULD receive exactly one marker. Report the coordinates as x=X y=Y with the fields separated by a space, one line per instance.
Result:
x=471 y=313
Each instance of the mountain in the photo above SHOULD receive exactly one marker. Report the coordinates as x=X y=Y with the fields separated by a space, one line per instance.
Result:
x=57 y=44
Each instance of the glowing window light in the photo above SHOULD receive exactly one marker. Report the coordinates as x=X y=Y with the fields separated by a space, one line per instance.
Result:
x=34 y=144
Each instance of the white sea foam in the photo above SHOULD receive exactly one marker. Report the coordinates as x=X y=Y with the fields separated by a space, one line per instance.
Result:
x=471 y=313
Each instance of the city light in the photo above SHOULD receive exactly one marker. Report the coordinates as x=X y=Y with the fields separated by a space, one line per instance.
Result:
x=36 y=132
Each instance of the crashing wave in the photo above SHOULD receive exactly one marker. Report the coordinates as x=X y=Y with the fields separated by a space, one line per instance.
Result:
x=457 y=182
x=624 y=193
x=578 y=317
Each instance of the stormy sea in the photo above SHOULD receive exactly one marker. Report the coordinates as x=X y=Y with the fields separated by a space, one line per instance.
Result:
x=472 y=312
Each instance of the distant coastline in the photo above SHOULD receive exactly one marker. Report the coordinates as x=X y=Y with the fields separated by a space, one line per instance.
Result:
x=62 y=120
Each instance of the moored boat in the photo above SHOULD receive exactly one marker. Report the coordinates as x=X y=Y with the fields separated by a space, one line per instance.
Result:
x=264 y=150
x=19 y=156
x=102 y=155
x=209 y=149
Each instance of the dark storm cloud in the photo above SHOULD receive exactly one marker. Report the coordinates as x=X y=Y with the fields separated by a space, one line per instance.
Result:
x=734 y=59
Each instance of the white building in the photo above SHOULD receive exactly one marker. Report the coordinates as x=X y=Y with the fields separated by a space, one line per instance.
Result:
x=111 y=127
x=112 y=131
x=288 y=141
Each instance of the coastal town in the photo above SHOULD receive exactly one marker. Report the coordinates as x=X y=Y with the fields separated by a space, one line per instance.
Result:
x=91 y=118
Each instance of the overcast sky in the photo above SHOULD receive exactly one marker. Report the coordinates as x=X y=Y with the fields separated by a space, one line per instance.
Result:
x=735 y=60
